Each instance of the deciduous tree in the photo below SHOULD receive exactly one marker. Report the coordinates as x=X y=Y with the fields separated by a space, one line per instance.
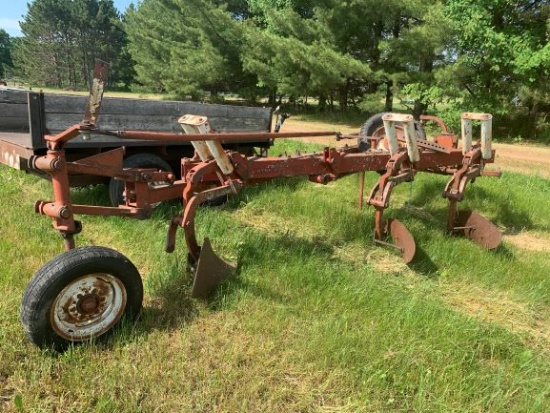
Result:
x=501 y=58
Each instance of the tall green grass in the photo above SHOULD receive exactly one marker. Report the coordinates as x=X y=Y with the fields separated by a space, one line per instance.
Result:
x=318 y=319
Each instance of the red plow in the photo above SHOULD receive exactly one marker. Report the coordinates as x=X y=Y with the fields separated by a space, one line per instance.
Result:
x=85 y=292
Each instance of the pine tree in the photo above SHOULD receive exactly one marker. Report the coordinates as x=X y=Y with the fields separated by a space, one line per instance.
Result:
x=62 y=38
x=188 y=47
x=5 y=52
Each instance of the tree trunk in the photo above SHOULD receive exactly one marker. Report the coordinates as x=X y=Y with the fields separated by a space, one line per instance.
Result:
x=388 y=107
x=344 y=92
x=419 y=109
x=272 y=99
x=322 y=103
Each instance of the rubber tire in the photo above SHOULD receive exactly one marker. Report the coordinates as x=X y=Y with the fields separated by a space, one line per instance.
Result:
x=140 y=160
x=375 y=122
x=52 y=278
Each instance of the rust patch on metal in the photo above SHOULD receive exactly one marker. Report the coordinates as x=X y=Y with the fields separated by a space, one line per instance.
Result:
x=90 y=302
x=96 y=93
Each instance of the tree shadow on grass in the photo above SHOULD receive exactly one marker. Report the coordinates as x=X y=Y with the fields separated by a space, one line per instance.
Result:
x=275 y=185
x=168 y=304
x=169 y=307
x=423 y=264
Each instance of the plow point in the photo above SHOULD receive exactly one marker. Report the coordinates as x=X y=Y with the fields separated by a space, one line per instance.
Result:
x=211 y=271
x=402 y=238
x=479 y=229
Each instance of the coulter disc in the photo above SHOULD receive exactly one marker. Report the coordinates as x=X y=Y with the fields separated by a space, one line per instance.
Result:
x=479 y=229
x=402 y=238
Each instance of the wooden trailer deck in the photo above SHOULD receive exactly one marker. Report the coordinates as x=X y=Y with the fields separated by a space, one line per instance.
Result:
x=26 y=116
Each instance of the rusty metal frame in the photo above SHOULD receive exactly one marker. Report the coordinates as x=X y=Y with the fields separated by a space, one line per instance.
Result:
x=201 y=178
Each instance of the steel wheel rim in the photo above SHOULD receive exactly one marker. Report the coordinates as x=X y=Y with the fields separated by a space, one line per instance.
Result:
x=88 y=307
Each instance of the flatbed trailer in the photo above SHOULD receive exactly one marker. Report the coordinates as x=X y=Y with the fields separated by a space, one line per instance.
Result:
x=26 y=117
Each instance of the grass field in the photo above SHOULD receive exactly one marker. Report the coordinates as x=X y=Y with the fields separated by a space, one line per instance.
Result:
x=318 y=320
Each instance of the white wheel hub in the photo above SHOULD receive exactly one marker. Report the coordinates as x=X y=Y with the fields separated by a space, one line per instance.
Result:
x=88 y=307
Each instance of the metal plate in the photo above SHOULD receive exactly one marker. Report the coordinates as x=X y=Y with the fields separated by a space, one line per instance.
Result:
x=479 y=229
x=403 y=239
x=211 y=272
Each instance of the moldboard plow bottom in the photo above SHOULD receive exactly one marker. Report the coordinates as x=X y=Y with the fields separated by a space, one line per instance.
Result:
x=86 y=292
x=211 y=271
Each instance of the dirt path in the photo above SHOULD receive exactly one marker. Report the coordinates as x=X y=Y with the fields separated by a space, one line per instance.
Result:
x=516 y=158
x=523 y=158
